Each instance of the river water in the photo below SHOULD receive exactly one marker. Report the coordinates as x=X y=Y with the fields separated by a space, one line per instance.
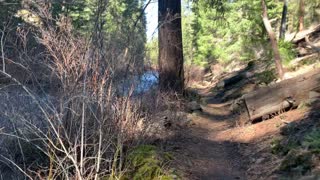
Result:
x=139 y=84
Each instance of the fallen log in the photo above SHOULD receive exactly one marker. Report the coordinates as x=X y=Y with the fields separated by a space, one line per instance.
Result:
x=236 y=77
x=314 y=46
x=277 y=97
x=296 y=37
x=298 y=60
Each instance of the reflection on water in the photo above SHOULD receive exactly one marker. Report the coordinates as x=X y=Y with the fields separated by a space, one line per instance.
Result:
x=147 y=81
x=140 y=84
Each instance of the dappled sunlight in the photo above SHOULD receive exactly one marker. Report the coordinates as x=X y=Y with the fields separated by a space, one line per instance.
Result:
x=253 y=132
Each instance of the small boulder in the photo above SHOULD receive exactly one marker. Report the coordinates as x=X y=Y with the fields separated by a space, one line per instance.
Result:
x=184 y=119
x=221 y=84
x=216 y=69
x=193 y=106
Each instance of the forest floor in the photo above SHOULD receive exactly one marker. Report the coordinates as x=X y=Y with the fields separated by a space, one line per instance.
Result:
x=214 y=147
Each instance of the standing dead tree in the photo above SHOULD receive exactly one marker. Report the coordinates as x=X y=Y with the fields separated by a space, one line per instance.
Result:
x=273 y=40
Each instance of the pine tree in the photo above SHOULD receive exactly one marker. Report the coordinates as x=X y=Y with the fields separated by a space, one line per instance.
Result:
x=170 y=46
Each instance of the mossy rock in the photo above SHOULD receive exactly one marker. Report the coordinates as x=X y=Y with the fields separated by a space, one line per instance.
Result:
x=147 y=163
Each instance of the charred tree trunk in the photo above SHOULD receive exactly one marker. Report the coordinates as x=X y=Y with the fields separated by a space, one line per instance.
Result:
x=170 y=46
x=301 y=15
x=273 y=40
x=283 y=25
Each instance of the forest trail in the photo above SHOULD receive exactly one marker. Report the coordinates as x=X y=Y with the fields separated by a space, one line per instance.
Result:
x=214 y=147
x=201 y=155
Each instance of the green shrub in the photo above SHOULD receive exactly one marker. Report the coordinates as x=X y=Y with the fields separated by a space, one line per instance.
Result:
x=147 y=163
x=287 y=52
x=299 y=157
x=281 y=147
x=266 y=77
x=296 y=161
x=312 y=141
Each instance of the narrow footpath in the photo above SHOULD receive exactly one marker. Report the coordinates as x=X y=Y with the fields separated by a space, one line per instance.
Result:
x=202 y=153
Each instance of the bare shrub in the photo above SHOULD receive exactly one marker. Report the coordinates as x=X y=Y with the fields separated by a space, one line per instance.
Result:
x=80 y=126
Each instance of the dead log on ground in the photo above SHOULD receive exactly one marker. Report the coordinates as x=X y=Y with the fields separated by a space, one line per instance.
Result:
x=298 y=60
x=314 y=46
x=296 y=37
x=236 y=77
x=277 y=97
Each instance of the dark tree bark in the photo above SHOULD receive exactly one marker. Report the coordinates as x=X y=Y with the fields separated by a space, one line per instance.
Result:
x=273 y=40
x=170 y=46
x=283 y=25
x=301 y=15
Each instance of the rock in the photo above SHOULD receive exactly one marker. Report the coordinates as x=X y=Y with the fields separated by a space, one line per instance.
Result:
x=236 y=104
x=189 y=117
x=204 y=100
x=193 y=106
x=216 y=69
x=181 y=114
x=182 y=117
x=220 y=84
x=313 y=96
x=185 y=120
x=196 y=113
x=260 y=160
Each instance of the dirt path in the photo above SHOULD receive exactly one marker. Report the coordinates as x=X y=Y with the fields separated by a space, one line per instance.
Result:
x=201 y=155
x=213 y=148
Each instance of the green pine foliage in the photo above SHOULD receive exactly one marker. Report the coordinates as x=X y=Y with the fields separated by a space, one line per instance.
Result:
x=187 y=32
x=152 y=51
x=312 y=14
x=235 y=36
x=232 y=30
x=287 y=52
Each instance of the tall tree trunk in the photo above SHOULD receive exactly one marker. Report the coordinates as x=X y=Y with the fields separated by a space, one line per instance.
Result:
x=301 y=15
x=170 y=46
x=273 y=40
x=283 y=25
